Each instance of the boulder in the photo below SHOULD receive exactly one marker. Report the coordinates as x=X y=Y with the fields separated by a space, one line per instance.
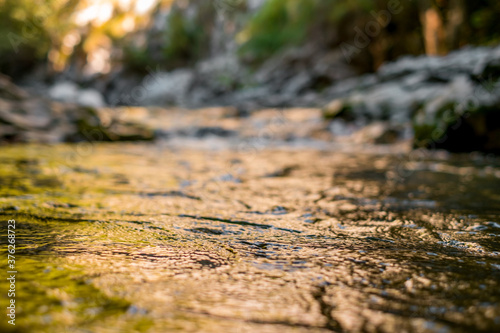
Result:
x=10 y=91
x=64 y=91
x=166 y=88
x=378 y=132
x=216 y=80
x=465 y=118
x=90 y=97
x=298 y=84
x=453 y=101
x=25 y=118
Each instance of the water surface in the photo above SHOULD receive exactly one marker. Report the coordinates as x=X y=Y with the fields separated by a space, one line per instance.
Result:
x=150 y=238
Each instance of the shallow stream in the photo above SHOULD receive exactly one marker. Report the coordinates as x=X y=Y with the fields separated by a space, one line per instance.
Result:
x=148 y=238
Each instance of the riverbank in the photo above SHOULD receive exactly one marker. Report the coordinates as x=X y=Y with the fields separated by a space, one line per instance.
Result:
x=446 y=103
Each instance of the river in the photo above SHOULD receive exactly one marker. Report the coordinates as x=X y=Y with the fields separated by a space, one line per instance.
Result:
x=130 y=237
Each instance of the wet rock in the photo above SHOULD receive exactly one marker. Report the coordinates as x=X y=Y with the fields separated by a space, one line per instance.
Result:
x=90 y=97
x=378 y=133
x=70 y=92
x=64 y=91
x=216 y=131
x=295 y=62
x=464 y=118
x=386 y=101
x=25 y=118
x=452 y=101
x=219 y=73
x=298 y=84
x=126 y=89
x=292 y=78
x=338 y=109
x=168 y=88
x=466 y=61
x=198 y=132
x=10 y=91
x=108 y=125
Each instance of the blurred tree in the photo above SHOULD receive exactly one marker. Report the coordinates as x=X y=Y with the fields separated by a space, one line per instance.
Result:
x=183 y=39
x=483 y=18
x=94 y=35
x=423 y=26
x=28 y=31
x=444 y=24
x=282 y=23
x=187 y=40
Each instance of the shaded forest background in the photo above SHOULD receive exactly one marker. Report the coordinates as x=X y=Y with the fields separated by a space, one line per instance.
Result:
x=96 y=37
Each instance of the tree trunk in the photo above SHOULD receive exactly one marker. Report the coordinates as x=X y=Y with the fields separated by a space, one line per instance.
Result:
x=442 y=27
x=433 y=28
x=455 y=25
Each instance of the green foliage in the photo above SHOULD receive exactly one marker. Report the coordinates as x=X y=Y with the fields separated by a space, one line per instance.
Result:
x=183 y=39
x=338 y=9
x=17 y=36
x=278 y=24
x=423 y=135
x=137 y=59
x=282 y=23
x=28 y=30
x=484 y=23
x=187 y=37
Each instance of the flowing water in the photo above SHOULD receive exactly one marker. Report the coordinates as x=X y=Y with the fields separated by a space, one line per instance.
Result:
x=149 y=238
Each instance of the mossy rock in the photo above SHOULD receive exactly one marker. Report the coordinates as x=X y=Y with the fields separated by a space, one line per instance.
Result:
x=472 y=129
x=338 y=109
x=93 y=126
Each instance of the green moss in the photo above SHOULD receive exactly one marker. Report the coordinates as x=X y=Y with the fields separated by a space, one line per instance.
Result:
x=339 y=109
x=346 y=112
x=422 y=135
x=58 y=294
x=432 y=128
x=458 y=127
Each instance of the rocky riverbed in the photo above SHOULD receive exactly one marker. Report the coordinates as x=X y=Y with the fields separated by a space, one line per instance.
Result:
x=179 y=236
x=449 y=102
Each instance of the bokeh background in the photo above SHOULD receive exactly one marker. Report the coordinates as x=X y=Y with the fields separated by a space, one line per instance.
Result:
x=97 y=36
x=255 y=54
